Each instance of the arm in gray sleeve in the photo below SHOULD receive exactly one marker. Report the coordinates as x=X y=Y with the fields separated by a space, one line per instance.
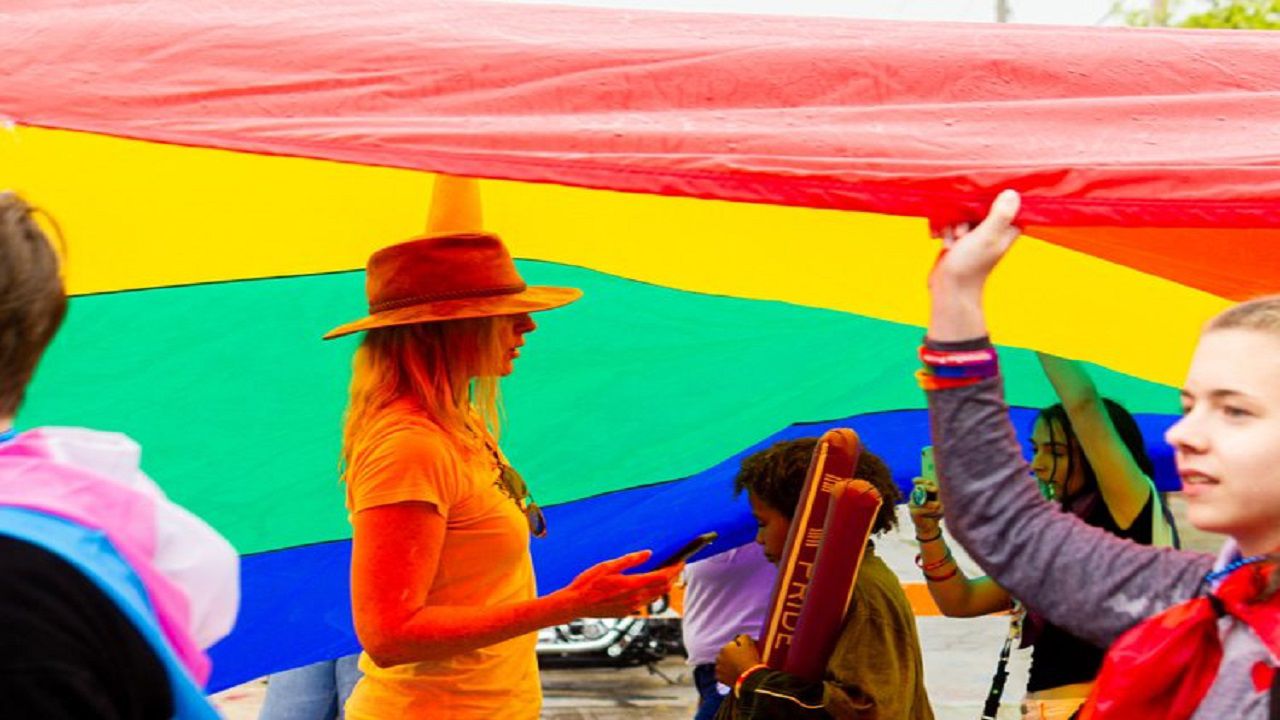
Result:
x=1081 y=578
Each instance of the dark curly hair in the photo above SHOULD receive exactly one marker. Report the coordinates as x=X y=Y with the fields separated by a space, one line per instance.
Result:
x=776 y=475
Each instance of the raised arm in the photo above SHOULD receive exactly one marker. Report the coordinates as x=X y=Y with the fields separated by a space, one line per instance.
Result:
x=395 y=553
x=956 y=594
x=1080 y=578
x=1125 y=488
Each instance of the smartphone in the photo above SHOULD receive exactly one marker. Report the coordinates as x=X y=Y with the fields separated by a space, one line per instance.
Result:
x=689 y=549
x=927 y=471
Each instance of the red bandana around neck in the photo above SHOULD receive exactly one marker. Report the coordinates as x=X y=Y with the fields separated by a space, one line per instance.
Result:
x=1164 y=666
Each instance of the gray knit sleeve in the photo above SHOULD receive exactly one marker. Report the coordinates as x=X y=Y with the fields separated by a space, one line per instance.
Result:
x=1079 y=577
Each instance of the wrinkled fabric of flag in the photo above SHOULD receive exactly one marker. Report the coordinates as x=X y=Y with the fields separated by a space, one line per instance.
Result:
x=745 y=200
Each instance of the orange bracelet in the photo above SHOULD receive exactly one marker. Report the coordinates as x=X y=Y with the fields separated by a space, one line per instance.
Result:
x=737 y=686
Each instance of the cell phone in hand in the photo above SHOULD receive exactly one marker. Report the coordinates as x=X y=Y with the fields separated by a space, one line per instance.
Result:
x=689 y=549
x=920 y=496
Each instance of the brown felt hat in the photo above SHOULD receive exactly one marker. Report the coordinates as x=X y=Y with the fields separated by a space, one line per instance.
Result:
x=448 y=276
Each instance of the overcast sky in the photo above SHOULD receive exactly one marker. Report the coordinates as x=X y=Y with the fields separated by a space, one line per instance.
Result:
x=1060 y=12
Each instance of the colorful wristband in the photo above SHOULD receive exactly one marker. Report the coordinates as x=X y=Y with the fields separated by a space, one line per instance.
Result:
x=929 y=381
x=957 y=358
x=965 y=371
x=947 y=366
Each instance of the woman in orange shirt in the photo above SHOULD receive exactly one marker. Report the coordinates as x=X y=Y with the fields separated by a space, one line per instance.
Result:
x=443 y=591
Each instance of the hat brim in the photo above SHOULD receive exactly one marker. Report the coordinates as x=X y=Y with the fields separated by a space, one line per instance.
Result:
x=533 y=299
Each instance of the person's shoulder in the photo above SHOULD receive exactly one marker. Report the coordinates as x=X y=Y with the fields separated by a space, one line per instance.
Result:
x=24 y=560
x=404 y=455
x=875 y=570
x=412 y=436
x=106 y=452
x=878 y=586
x=42 y=588
x=66 y=647
x=1140 y=529
x=403 y=432
x=745 y=555
x=83 y=436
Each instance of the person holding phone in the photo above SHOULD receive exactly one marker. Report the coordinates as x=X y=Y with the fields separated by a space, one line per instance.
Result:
x=442 y=584
x=1090 y=459
x=876 y=669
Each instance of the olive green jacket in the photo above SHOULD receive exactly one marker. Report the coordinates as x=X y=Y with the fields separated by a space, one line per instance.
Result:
x=875 y=672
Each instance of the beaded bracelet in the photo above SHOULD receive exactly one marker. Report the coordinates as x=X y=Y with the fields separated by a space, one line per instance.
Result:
x=737 y=686
x=942 y=578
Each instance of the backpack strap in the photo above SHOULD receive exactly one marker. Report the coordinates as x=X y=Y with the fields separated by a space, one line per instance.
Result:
x=991 y=707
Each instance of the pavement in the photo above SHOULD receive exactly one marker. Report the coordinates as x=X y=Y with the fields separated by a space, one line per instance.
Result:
x=959 y=658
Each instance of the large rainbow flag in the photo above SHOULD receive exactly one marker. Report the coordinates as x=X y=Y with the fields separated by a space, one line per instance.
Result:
x=745 y=201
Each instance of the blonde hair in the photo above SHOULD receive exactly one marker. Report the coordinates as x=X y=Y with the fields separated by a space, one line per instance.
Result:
x=1258 y=314
x=449 y=369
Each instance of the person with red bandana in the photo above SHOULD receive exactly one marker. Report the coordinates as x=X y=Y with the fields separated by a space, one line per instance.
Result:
x=1191 y=636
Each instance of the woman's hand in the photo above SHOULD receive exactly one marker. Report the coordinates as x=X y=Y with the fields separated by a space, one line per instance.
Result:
x=735 y=658
x=967 y=259
x=925 y=507
x=603 y=591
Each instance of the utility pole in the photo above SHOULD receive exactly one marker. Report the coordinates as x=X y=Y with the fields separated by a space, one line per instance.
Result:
x=1002 y=11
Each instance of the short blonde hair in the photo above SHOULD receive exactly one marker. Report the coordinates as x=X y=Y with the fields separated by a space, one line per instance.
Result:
x=1258 y=314
x=448 y=368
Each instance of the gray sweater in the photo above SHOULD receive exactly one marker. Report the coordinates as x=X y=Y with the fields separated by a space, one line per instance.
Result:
x=1079 y=577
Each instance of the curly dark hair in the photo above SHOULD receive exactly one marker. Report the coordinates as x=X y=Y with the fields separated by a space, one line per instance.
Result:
x=776 y=475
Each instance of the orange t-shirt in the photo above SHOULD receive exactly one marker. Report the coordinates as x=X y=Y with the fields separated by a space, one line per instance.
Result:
x=484 y=561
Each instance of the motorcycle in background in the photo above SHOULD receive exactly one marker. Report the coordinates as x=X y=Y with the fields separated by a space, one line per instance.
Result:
x=643 y=639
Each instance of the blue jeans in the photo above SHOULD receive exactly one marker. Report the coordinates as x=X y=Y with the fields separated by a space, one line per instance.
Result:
x=311 y=692
x=709 y=698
